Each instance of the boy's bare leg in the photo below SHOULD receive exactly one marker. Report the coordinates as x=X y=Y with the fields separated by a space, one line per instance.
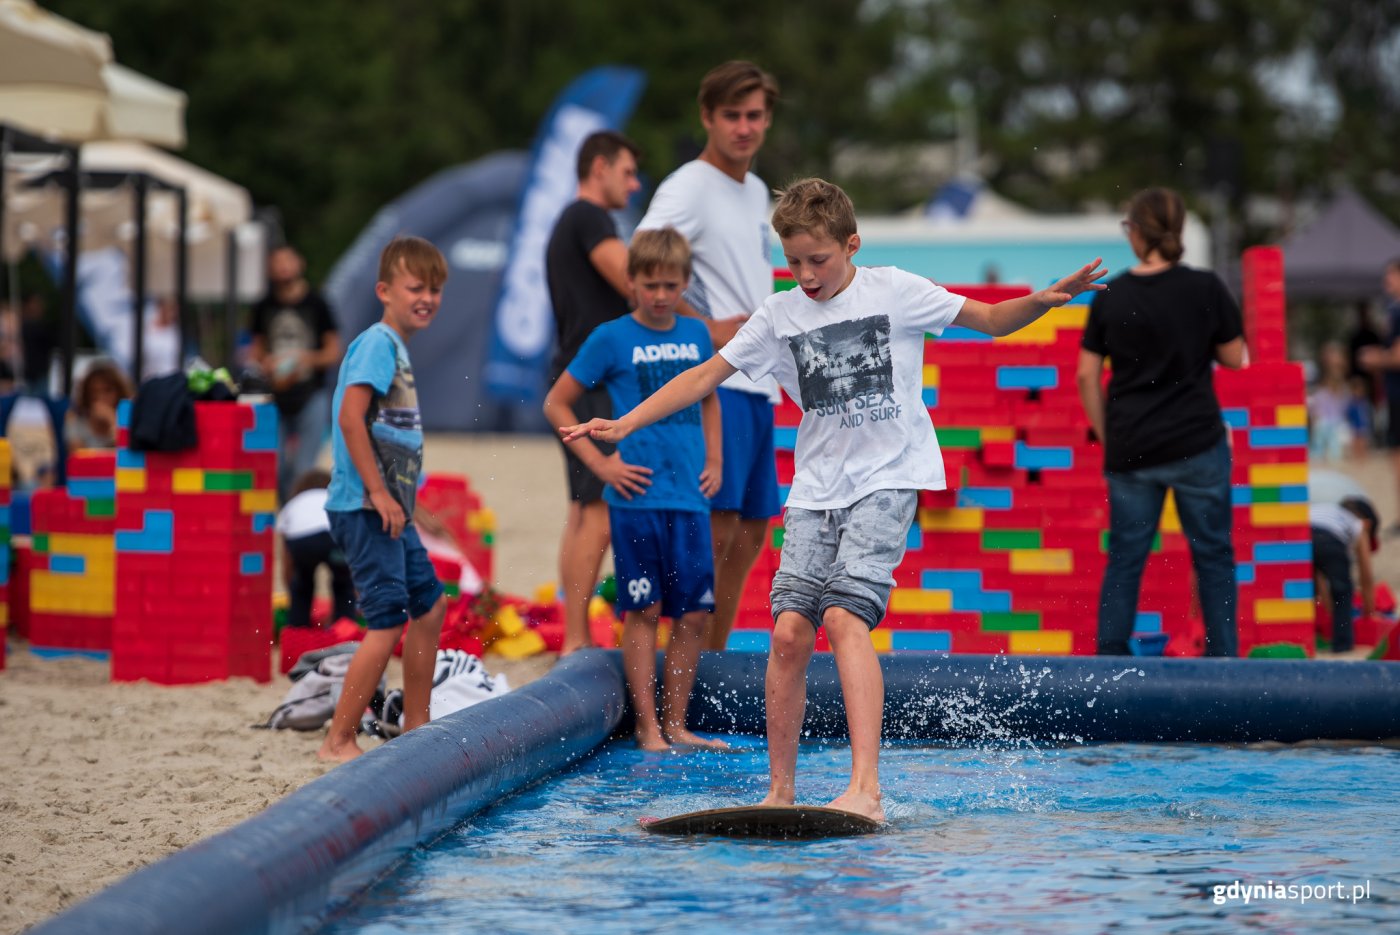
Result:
x=682 y=658
x=639 y=663
x=581 y=548
x=361 y=679
x=863 y=688
x=737 y=543
x=419 y=660
x=785 y=693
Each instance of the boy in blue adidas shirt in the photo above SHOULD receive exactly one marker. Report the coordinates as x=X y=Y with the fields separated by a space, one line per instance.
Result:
x=659 y=482
x=377 y=443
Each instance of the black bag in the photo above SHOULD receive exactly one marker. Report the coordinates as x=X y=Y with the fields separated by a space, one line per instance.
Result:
x=162 y=415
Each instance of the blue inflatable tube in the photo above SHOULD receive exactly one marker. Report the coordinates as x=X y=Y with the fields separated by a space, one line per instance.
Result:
x=1076 y=699
x=286 y=869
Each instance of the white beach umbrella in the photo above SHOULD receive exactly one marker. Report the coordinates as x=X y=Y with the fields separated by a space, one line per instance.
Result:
x=51 y=72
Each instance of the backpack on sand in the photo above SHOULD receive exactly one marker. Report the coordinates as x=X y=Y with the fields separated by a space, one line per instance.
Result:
x=311 y=700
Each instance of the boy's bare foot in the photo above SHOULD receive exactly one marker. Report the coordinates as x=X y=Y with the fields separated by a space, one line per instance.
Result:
x=652 y=743
x=338 y=752
x=573 y=648
x=774 y=799
x=859 y=803
x=686 y=739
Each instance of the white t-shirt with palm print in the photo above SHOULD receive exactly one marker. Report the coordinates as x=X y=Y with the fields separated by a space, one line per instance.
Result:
x=854 y=363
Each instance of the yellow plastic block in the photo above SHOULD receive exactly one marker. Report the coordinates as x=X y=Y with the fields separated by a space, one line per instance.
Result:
x=1282 y=610
x=88 y=546
x=257 y=501
x=1292 y=416
x=1041 y=642
x=931 y=374
x=1277 y=475
x=1043 y=561
x=998 y=433
x=1038 y=332
x=187 y=480
x=950 y=520
x=919 y=601
x=4 y=614
x=1278 y=514
x=1171 y=521
x=882 y=640
x=131 y=480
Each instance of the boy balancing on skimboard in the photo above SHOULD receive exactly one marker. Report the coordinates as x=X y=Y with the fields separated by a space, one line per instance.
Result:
x=848 y=346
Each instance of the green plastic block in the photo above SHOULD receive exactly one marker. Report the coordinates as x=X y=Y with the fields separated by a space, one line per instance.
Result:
x=1001 y=540
x=960 y=439
x=1266 y=495
x=228 y=480
x=1103 y=542
x=1001 y=621
x=103 y=507
x=1278 y=651
x=777 y=537
x=40 y=543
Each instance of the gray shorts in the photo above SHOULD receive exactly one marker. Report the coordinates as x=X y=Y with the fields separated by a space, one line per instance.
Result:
x=843 y=558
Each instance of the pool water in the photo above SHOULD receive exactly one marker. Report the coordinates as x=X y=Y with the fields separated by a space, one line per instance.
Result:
x=1011 y=838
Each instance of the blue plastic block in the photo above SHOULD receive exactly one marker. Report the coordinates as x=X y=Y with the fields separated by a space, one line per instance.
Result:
x=1266 y=553
x=982 y=600
x=937 y=641
x=1278 y=437
x=930 y=397
x=1236 y=418
x=1027 y=378
x=1244 y=573
x=92 y=488
x=126 y=458
x=950 y=579
x=1030 y=458
x=156 y=535
x=264 y=521
x=754 y=641
x=67 y=564
x=263 y=435
x=988 y=498
x=785 y=438
x=955 y=333
x=250 y=563
x=1147 y=621
x=1298 y=590
x=915 y=539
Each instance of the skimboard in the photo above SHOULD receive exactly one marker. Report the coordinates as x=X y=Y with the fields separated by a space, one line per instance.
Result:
x=766 y=821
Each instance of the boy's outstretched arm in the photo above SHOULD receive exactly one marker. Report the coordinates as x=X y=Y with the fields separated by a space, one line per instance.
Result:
x=626 y=479
x=710 y=424
x=1014 y=314
x=353 y=406
x=685 y=389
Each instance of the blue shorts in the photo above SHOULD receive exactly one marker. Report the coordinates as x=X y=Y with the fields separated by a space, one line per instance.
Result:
x=663 y=555
x=750 y=483
x=394 y=577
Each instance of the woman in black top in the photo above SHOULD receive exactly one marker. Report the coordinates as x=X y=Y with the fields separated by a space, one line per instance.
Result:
x=1162 y=325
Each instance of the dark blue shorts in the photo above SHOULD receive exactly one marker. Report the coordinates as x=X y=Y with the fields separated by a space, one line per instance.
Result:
x=663 y=555
x=750 y=484
x=394 y=577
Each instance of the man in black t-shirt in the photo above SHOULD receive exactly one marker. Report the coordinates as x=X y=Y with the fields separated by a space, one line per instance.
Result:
x=295 y=342
x=586 y=267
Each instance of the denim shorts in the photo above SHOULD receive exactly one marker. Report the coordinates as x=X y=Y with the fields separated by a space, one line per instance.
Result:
x=843 y=558
x=395 y=580
x=663 y=555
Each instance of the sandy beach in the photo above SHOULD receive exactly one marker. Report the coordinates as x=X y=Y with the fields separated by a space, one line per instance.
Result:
x=98 y=779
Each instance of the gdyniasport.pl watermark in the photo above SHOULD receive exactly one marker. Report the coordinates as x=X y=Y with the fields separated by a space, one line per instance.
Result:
x=1301 y=893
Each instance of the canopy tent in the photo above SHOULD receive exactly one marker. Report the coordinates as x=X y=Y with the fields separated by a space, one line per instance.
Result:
x=1342 y=253
x=58 y=80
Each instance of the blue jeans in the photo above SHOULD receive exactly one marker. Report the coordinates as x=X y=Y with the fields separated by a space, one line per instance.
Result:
x=1201 y=485
x=394 y=577
x=301 y=438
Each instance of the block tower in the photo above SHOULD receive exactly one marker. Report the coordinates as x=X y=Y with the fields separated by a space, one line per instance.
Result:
x=1010 y=557
x=193 y=544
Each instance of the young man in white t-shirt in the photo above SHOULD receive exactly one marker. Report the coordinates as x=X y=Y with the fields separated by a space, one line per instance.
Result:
x=722 y=209
x=848 y=346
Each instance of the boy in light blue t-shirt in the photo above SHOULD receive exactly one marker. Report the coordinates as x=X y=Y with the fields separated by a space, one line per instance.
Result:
x=377 y=443
x=659 y=482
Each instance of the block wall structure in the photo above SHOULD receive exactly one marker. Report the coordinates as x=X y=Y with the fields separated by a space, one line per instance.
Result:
x=1010 y=557
x=193 y=541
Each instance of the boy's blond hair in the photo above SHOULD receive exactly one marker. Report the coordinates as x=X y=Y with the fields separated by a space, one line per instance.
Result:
x=415 y=256
x=663 y=248
x=816 y=207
